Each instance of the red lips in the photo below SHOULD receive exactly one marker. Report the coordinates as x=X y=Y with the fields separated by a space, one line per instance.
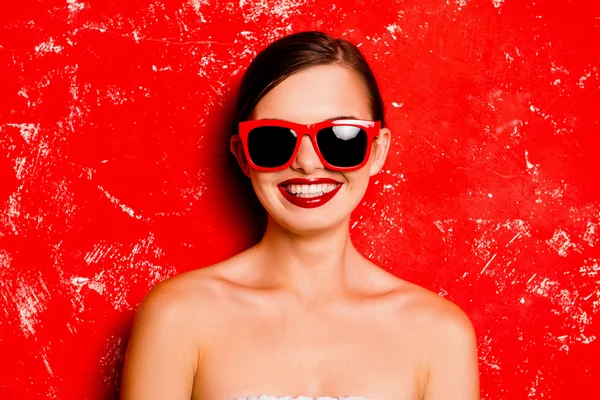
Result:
x=309 y=202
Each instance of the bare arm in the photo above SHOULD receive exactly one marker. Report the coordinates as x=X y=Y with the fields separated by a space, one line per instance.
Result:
x=453 y=372
x=161 y=358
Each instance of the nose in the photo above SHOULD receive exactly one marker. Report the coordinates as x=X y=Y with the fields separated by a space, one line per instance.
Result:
x=307 y=159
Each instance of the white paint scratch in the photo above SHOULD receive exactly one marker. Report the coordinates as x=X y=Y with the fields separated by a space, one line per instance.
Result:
x=568 y=304
x=486 y=356
x=75 y=6
x=94 y=284
x=533 y=394
x=5 y=260
x=12 y=212
x=119 y=204
x=394 y=29
x=459 y=4
x=591 y=233
x=99 y=252
x=488 y=263
x=561 y=243
x=197 y=6
x=30 y=303
x=513 y=239
x=48 y=47
x=587 y=75
x=28 y=131
x=284 y=9
x=590 y=271
x=561 y=127
x=45 y=360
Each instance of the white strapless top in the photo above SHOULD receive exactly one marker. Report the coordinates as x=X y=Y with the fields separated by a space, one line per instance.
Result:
x=266 y=397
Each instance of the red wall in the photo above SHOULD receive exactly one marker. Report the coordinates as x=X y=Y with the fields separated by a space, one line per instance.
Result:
x=115 y=173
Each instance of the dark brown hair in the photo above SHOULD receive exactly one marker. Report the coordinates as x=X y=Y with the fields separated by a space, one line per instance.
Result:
x=294 y=53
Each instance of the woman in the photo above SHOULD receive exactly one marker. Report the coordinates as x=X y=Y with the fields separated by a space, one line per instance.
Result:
x=302 y=313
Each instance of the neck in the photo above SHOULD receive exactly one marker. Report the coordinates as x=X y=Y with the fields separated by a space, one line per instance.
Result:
x=313 y=266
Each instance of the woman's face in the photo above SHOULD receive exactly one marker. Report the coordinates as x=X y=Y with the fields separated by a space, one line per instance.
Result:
x=306 y=97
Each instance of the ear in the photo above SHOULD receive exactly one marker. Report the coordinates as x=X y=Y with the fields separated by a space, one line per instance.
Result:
x=236 y=147
x=379 y=151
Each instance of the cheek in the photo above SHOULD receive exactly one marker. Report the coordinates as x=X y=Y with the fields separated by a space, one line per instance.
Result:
x=358 y=180
x=263 y=183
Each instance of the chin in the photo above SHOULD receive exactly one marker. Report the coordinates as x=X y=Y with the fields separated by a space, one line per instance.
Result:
x=330 y=216
x=311 y=225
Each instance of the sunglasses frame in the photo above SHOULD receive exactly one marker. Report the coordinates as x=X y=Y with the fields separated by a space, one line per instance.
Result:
x=370 y=127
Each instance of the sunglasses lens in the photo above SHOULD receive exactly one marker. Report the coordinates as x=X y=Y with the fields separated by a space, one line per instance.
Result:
x=343 y=145
x=271 y=146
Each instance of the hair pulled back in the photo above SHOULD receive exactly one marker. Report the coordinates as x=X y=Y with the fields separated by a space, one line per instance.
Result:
x=293 y=53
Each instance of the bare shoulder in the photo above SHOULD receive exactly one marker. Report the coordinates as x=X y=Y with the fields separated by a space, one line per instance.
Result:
x=441 y=336
x=426 y=311
x=169 y=334
x=175 y=296
x=196 y=292
x=446 y=340
x=437 y=315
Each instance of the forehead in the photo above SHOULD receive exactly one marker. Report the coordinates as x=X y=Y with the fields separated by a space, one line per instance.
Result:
x=316 y=94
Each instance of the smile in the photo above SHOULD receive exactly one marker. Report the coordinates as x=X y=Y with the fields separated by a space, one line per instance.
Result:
x=309 y=193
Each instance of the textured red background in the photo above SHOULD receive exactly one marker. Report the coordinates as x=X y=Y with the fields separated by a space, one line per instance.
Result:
x=115 y=174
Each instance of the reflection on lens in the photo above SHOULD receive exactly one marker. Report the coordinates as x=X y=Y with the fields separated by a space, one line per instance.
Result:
x=345 y=132
x=271 y=146
x=343 y=145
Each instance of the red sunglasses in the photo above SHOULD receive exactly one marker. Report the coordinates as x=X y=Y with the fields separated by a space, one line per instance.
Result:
x=341 y=144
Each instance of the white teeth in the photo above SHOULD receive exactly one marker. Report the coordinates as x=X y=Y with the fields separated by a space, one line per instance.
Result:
x=310 y=190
